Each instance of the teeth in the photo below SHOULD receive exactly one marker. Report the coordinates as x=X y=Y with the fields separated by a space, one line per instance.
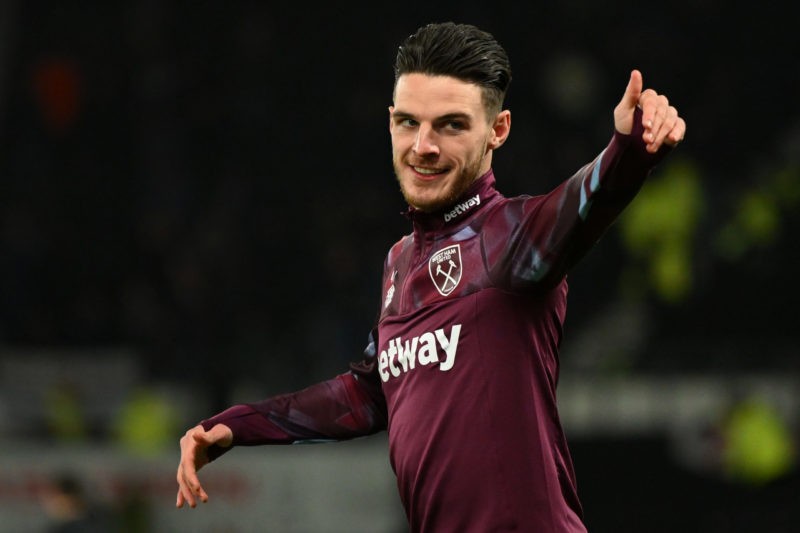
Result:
x=426 y=170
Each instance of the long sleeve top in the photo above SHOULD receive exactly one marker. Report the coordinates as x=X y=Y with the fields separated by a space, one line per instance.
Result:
x=462 y=364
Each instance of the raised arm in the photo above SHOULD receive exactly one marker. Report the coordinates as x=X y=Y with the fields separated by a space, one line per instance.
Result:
x=554 y=231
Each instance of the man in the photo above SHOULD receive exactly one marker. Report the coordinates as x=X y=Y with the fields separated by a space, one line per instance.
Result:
x=463 y=362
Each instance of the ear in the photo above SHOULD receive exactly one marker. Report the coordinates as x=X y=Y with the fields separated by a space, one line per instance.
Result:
x=501 y=127
x=391 y=110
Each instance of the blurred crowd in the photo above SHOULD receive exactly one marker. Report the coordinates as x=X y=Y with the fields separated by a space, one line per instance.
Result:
x=212 y=187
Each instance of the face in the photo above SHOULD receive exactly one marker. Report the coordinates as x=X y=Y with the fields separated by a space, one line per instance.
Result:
x=442 y=139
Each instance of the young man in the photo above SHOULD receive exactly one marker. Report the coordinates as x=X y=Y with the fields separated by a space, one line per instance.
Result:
x=463 y=361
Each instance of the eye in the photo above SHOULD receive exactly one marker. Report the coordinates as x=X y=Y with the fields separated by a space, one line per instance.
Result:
x=456 y=125
x=408 y=123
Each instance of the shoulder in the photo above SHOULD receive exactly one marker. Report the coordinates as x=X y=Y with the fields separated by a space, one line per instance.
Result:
x=397 y=248
x=511 y=209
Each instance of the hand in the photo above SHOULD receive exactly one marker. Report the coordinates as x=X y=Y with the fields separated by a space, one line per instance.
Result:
x=661 y=122
x=194 y=455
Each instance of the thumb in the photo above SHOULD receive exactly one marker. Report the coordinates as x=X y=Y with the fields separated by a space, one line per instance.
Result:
x=203 y=438
x=219 y=434
x=632 y=92
x=623 y=113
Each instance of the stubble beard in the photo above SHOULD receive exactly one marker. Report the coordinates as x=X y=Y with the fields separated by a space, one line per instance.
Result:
x=455 y=189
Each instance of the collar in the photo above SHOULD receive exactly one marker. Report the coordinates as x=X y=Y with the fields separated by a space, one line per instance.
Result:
x=476 y=196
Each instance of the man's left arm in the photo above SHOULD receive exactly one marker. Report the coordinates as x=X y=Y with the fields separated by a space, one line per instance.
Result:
x=646 y=128
x=558 y=229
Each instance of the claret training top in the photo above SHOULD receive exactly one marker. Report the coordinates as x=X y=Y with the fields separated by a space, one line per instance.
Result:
x=463 y=362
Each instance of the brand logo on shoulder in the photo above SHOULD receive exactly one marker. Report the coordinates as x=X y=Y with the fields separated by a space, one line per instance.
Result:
x=390 y=290
x=463 y=207
x=402 y=355
x=444 y=267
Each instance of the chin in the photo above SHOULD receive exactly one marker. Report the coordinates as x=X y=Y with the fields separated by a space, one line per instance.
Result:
x=429 y=205
x=422 y=197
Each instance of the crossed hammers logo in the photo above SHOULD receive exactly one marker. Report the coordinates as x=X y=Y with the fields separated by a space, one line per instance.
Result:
x=447 y=272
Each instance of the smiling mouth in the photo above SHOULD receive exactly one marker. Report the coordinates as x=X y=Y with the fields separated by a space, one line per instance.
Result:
x=429 y=172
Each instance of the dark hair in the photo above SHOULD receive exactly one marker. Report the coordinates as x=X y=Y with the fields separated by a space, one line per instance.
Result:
x=462 y=51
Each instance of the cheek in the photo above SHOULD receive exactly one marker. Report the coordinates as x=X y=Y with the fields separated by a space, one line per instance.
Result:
x=399 y=144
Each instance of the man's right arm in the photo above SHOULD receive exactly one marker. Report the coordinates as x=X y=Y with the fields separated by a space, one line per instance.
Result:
x=334 y=410
x=348 y=406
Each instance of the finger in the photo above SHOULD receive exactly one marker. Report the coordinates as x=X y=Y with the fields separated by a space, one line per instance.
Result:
x=654 y=130
x=203 y=439
x=665 y=120
x=220 y=434
x=191 y=486
x=213 y=436
x=677 y=133
x=630 y=99
x=649 y=102
x=184 y=492
x=625 y=109
x=188 y=482
x=670 y=117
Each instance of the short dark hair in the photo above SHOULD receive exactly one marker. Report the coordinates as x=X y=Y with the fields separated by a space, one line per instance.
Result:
x=462 y=51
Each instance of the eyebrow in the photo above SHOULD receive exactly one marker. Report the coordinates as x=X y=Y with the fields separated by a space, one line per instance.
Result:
x=443 y=118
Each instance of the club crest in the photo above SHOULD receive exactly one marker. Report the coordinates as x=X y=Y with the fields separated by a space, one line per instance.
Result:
x=444 y=267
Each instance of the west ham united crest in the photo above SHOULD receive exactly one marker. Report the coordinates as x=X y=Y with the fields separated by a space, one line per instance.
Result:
x=445 y=269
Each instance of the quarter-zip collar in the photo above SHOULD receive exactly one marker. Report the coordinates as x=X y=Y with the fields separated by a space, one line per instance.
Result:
x=480 y=193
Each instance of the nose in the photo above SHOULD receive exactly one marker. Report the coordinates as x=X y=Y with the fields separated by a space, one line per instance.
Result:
x=425 y=143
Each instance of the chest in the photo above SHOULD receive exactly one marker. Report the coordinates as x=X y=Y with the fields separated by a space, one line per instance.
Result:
x=431 y=271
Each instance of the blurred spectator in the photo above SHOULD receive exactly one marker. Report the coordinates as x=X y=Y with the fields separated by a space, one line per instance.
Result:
x=758 y=444
x=146 y=424
x=65 y=416
x=65 y=502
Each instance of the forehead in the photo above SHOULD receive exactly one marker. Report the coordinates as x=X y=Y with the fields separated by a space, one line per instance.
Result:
x=428 y=96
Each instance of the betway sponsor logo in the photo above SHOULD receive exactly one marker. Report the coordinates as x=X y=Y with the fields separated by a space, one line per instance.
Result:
x=463 y=207
x=403 y=355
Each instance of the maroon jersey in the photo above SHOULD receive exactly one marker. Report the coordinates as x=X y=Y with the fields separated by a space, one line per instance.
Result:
x=463 y=364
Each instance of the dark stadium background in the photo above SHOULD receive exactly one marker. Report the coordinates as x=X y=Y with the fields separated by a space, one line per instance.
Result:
x=206 y=188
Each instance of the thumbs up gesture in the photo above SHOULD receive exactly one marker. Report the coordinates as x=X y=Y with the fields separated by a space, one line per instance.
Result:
x=660 y=121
